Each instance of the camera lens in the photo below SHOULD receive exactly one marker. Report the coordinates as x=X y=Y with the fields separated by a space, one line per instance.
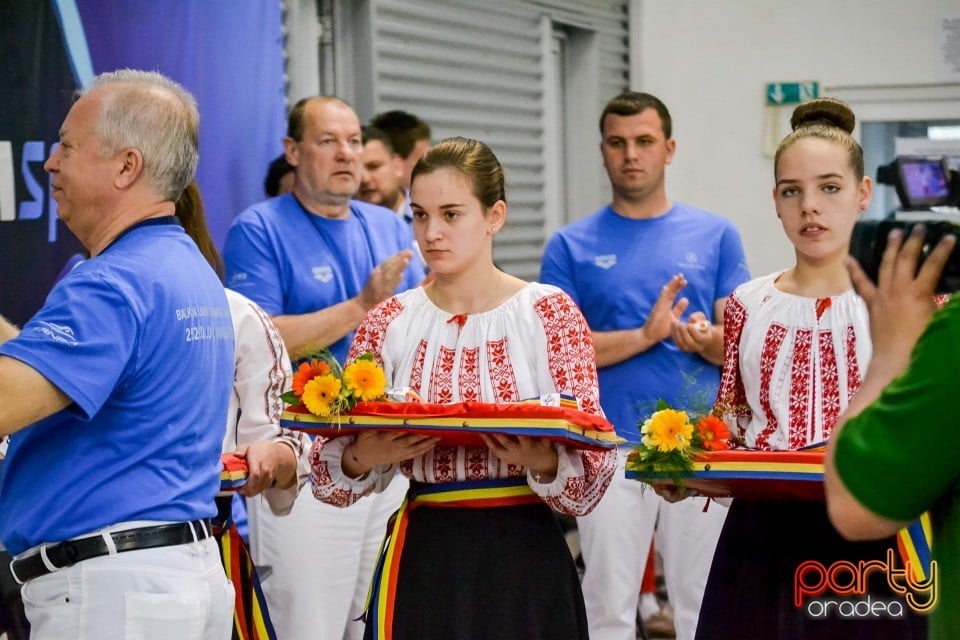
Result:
x=869 y=240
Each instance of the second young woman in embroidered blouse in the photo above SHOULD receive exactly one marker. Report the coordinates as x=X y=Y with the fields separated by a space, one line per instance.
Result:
x=476 y=333
x=796 y=347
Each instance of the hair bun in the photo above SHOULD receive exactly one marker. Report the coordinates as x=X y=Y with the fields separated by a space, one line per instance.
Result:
x=824 y=111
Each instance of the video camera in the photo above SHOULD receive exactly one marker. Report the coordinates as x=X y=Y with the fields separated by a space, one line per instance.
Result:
x=929 y=193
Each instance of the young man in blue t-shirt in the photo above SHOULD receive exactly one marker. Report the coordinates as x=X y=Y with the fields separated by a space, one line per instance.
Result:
x=115 y=393
x=625 y=266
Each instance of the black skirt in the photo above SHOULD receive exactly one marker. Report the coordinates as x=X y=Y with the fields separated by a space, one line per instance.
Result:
x=495 y=573
x=751 y=589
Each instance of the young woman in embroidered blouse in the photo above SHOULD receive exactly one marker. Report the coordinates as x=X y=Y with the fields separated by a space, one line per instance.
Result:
x=797 y=343
x=475 y=333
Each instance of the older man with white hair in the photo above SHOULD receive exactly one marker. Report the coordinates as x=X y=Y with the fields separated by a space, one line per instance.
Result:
x=115 y=393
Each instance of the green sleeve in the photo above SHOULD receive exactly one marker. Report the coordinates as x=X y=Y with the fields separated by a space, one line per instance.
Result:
x=903 y=452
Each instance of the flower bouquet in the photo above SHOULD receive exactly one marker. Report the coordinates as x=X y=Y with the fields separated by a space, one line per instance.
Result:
x=324 y=388
x=671 y=439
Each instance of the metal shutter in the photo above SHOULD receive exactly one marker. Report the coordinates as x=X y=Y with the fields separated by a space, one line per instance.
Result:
x=476 y=69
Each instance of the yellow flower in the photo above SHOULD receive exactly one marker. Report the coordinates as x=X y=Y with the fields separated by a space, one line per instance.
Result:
x=667 y=430
x=365 y=380
x=320 y=393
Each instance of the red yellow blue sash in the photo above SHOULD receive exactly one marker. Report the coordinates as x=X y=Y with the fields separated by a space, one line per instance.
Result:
x=915 y=543
x=476 y=494
x=251 y=620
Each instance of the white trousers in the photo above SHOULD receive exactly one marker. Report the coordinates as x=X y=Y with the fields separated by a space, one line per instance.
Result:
x=615 y=542
x=321 y=559
x=149 y=594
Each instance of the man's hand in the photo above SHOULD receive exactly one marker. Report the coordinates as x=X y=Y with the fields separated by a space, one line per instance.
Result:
x=902 y=301
x=384 y=280
x=666 y=310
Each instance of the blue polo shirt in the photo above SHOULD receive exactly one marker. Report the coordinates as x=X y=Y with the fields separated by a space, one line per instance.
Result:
x=291 y=262
x=140 y=338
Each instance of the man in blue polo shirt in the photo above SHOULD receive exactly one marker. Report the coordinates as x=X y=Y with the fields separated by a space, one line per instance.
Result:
x=636 y=268
x=115 y=393
x=317 y=260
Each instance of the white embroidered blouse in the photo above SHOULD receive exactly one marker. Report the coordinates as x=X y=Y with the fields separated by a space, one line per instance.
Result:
x=535 y=343
x=791 y=363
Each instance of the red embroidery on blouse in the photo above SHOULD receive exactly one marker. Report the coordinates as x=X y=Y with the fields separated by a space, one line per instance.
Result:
x=853 y=367
x=272 y=405
x=444 y=464
x=475 y=462
x=469 y=375
x=830 y=379
x=441 y=377
x=732 y=397
x=370 y=333
x=768 y=358
x=500 y=369
x=570 y=351
x=800 y=389
x=416 y=373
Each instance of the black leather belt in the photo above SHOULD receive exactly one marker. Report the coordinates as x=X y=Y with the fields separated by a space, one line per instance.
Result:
x=70 y=552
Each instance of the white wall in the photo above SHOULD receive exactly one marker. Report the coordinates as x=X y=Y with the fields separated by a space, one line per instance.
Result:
x=709 y=61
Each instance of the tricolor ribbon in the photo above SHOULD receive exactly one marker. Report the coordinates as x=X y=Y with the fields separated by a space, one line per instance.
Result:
x=251 y=620
x=915 y=544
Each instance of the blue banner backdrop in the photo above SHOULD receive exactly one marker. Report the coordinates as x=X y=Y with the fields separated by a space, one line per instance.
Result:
x=228 y=54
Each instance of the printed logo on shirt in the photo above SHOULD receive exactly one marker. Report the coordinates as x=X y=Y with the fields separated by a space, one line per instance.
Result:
x=57 y=332
x=842 y=590
x=236 y=279
x=323 y=274
x=691 y=261
x=605 y=262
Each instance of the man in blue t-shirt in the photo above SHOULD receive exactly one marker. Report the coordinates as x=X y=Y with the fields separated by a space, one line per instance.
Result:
x=625 y=266
x=317 y=260
x=115 y=393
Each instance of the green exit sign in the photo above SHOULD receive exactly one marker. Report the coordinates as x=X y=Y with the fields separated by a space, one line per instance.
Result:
x=791 y=92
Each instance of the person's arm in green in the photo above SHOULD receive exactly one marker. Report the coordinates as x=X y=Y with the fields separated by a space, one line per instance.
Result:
x=900 y=305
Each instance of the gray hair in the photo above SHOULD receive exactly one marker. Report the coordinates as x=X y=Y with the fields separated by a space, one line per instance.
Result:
x=147 y=111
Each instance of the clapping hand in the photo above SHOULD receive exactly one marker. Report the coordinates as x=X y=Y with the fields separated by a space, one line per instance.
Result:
x=666 y=311
x=385 y=279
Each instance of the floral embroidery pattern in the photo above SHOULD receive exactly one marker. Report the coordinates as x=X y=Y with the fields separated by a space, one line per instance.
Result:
x=771 y=347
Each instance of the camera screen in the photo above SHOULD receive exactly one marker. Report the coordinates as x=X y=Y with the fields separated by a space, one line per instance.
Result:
x=924 y=182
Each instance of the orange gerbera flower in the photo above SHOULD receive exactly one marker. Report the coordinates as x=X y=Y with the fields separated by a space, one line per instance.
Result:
x=319 y=394
x=714 y=433
x=365 y=380
x=306 y=372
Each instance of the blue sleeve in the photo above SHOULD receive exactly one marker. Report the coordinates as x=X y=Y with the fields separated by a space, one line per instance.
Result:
x=733 y=269
x=556 y=267
x=251 y=266
x=82 y=340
